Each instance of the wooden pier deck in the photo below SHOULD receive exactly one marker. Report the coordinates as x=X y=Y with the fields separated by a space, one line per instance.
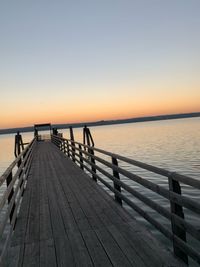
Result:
x=67 y=219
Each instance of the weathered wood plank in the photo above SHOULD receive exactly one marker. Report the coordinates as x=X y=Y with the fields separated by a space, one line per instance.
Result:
x=32 y=254
x=64 y=252
x=33 y=226
x=101 y=205
x=70 y=221
x=45 y=222
x=96 y=250
x=132 y=254
x=94 y=190
x=47 y=253
x=14 y=257
x=22 y=220
x=114 y=252
x=79 y=250
x=55 y=214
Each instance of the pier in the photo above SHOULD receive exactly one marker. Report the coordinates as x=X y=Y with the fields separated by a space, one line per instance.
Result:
x=55 y=213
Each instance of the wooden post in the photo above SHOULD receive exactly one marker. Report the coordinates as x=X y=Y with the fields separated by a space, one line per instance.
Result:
x=80 y=157
x=72 y=143
x=116 y=186
x=68 y=153
x=91 y=151
x=8 y=181
x=87 y=139
x=177 y=209
x=19 y=146
x=64 y=147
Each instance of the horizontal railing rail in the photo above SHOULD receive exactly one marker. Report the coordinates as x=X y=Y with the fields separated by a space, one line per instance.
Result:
x=12 y=183
x=87 y=159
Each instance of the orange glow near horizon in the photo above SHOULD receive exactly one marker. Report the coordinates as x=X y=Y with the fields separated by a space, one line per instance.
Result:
x=105 y=109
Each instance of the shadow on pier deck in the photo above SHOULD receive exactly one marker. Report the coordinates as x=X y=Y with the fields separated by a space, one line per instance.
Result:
x=66 y=219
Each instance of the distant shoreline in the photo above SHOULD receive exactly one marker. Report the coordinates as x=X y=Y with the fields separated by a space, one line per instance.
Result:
x=107 y=122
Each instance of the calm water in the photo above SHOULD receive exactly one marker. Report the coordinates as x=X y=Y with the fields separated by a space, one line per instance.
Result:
x=171 y=144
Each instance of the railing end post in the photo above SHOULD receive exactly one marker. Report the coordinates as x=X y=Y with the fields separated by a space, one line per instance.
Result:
x=177 y=209
x=116 y=186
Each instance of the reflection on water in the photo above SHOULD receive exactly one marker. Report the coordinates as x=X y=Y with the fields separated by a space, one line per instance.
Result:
x=171 y=144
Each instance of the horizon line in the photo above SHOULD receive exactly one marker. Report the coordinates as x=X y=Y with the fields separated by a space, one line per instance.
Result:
x=108 y=122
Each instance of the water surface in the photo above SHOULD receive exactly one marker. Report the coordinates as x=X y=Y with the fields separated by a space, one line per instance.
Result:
x=170 y=144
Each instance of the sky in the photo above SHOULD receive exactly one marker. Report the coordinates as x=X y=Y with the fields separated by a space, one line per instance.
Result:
x=87 y=60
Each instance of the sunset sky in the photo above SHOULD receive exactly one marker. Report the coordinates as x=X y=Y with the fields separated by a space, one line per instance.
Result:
x=88 y=60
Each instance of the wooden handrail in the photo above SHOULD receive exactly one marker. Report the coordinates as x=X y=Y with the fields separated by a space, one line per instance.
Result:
x=184 y=246
x=179 y=199
x=14 y=191
x=14 y=163
x=81 y=154
x=179 y=177
x=148 y=201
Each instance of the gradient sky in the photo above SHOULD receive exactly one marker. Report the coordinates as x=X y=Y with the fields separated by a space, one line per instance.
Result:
x=85 y=60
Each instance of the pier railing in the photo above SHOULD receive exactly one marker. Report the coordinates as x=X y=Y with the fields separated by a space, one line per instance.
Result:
x=12 y=183
x=105 y=170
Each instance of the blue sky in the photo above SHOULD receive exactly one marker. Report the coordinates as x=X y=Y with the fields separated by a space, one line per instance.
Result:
x=109 y=54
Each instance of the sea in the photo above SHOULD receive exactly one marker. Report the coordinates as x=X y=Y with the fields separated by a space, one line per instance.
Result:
x=170 y=144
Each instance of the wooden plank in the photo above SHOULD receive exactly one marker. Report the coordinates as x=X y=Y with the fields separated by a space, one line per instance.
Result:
x=83 y=191
x=63 y=205
x=123 y=244
x=33 y=227
x=79 y=223
x=99 y=207
x=114 y=252
x=32 y=254
x=58 y=227
x=133 y=256
x=64 y=253
x=145 y=246
x=14 y=257
x=94 y=190
x=45 y=222
x=96 y=250
x=75 y=207
x=47 y=253
x=79 y=250
x=22 y=220
x=83 y=224
x=79 y=204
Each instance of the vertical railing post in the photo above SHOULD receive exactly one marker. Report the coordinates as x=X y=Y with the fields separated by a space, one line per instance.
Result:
x=64 y=147
x=19 y=147
x=92 y=160
x=87 y=139
x=177 y=209
x=73 y=151
x=68 y=153
x=8 y=181
x=72 y=143
x=81 y=157
x=116 y=175
x=59 y=144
